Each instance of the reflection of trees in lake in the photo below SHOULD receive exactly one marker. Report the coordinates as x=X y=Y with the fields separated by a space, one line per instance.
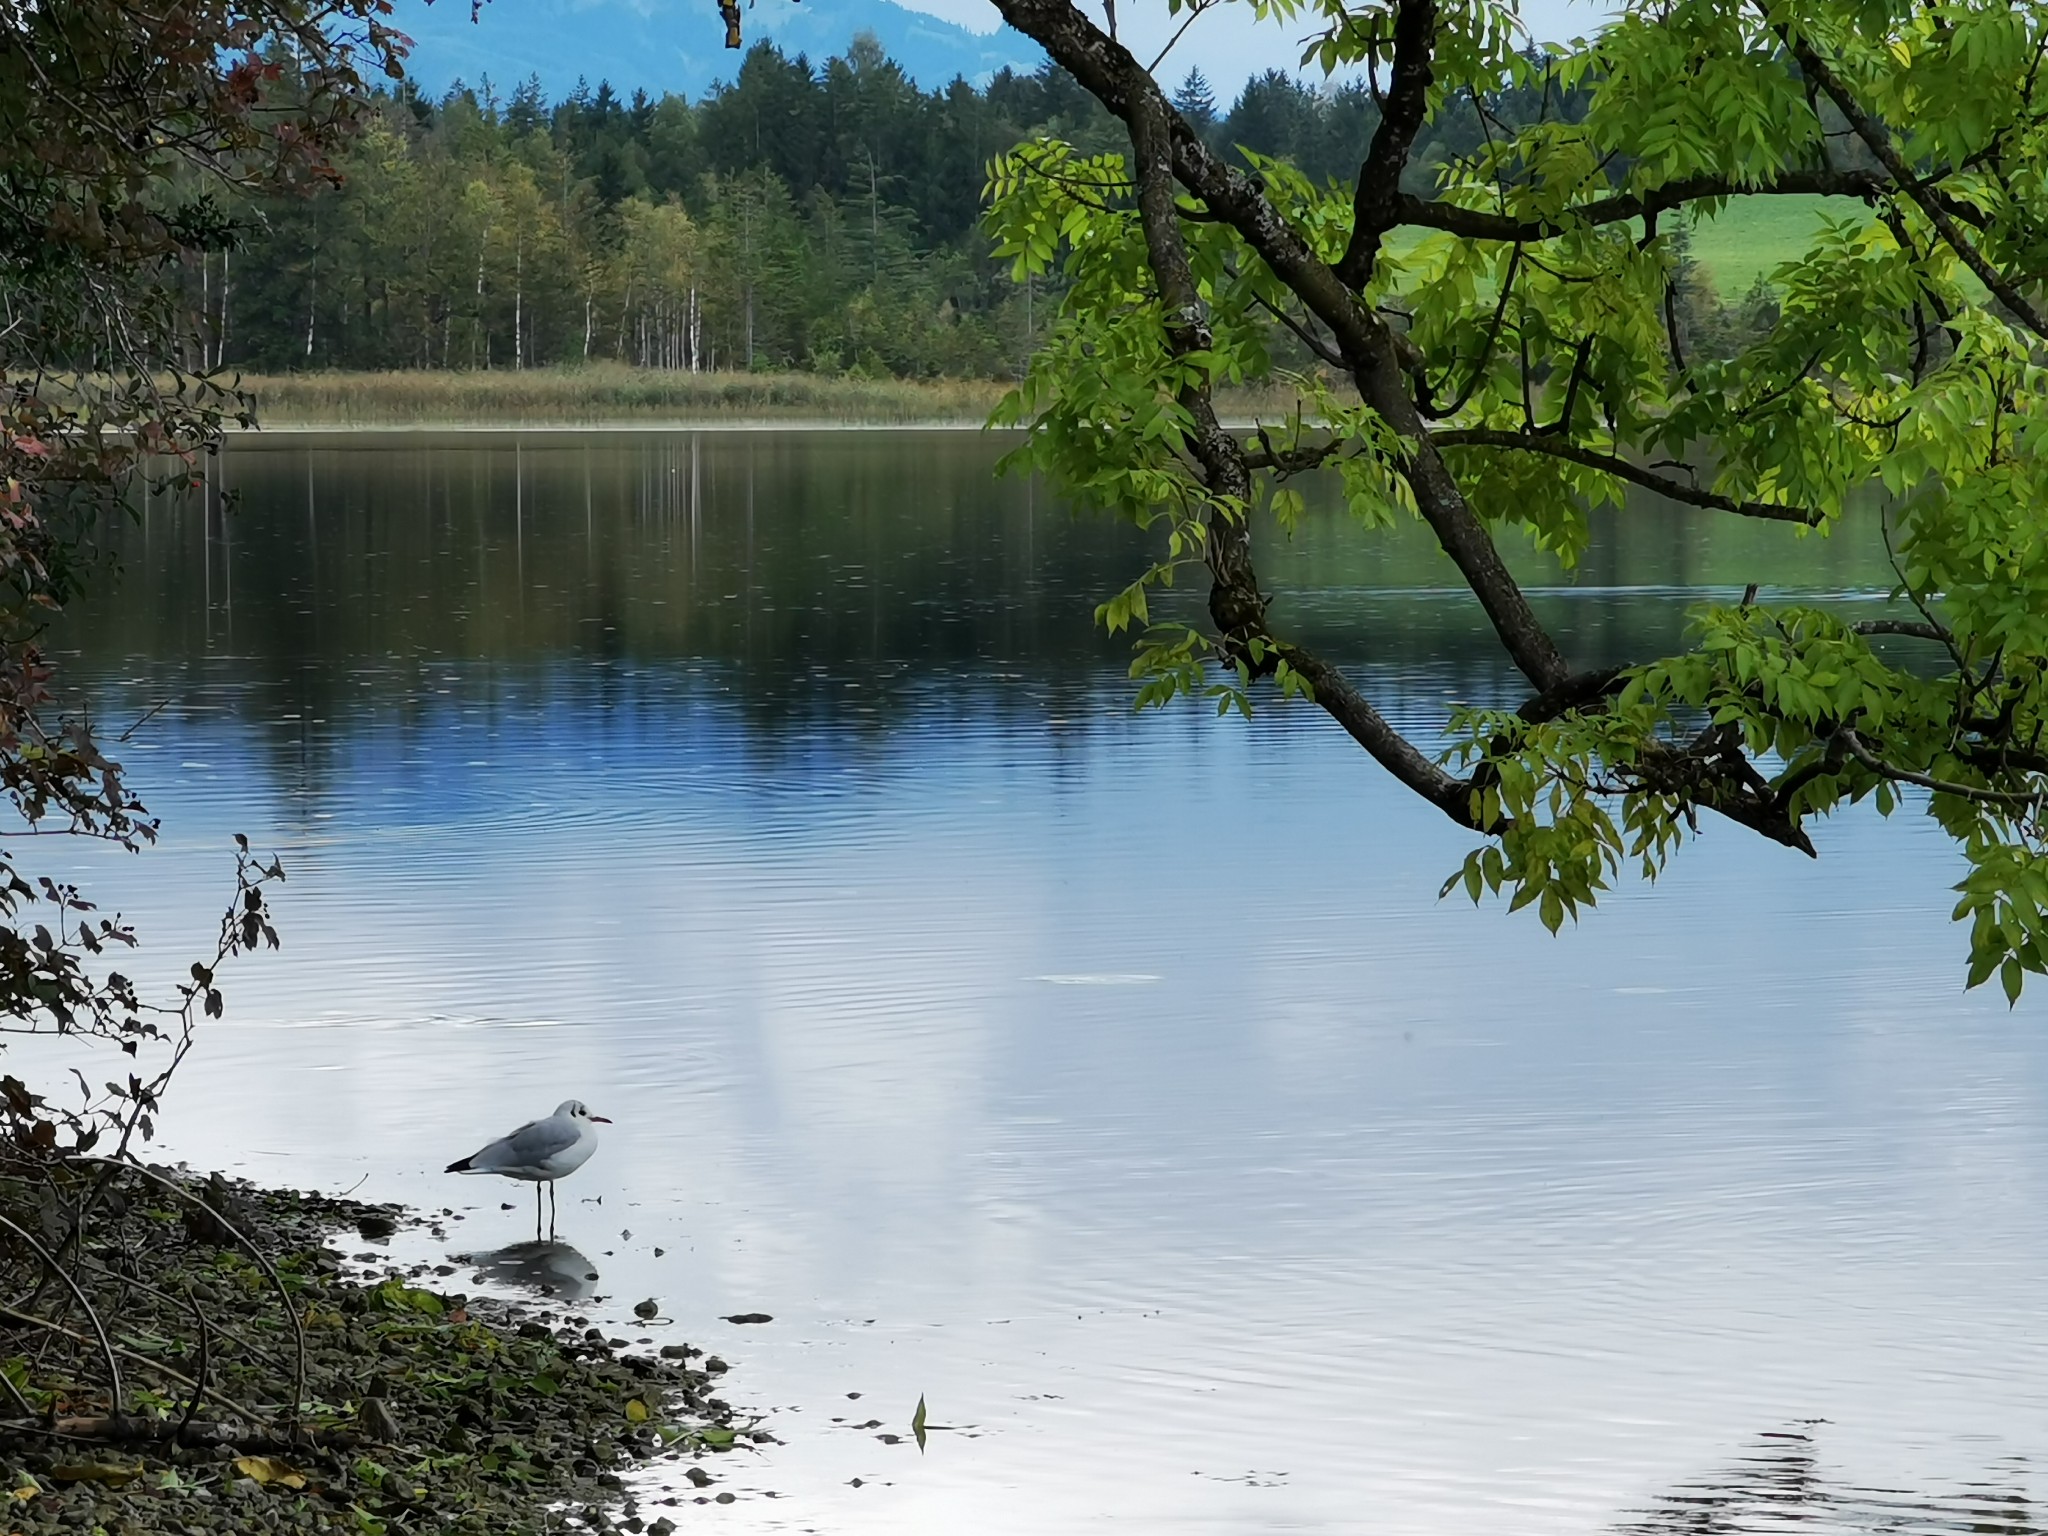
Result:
x=812 y=591
x=814 y=567
x=834 y=580
x=1780 y=1484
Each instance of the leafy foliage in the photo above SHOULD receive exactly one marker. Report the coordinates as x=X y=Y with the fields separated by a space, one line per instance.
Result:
x=124 y=129
x=1512 y=337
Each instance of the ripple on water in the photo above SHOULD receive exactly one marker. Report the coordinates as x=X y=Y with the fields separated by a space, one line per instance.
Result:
x=1120 y=1087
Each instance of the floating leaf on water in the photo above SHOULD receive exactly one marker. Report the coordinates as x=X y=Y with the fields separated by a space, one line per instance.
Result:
x=917 y=1422
x=636 y=1411
x=269 y=1469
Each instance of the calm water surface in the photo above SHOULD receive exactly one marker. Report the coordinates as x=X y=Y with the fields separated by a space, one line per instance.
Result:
x=1119 y=1085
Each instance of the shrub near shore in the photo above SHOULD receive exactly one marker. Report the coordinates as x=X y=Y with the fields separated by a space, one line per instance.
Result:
x=422 y=1410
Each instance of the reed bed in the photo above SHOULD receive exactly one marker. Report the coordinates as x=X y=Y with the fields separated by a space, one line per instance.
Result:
x=610 y=394
x=607 y=394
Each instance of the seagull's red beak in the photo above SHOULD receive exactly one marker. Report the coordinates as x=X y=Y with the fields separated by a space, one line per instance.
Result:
x=601 y=1119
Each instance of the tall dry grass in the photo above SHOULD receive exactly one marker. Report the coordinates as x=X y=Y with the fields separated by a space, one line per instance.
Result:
x=607 y=394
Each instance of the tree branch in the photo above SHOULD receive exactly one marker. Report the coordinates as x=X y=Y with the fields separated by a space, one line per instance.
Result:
x=1485 y=358
x=1860 y=750
x=1477 y=224
x=1288 y=461
x=1875 y=135
x=1370 y=349
x=1341 y=701
x=1909 y=627
x=169 y=1373
x=1580 y=688
x=1307 y=337
x=1376 y=197
x=1622 y=469
x=1236 y=605
x=243 y=1438
x=277 y=1284
x=107 y=1346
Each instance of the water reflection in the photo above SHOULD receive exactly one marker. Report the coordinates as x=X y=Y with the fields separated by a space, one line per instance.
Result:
x=1781 y=1483
x=545 y=1268
x=1119 y=1086
x=808 y=580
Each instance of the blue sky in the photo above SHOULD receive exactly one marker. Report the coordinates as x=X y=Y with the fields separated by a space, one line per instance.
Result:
x=677 y=44
x=1229 y=44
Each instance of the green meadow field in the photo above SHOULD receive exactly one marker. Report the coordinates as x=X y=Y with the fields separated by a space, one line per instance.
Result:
x=1748 y=239
x=1753 y=236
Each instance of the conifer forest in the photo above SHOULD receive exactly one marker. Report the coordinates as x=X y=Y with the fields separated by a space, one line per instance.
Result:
x=815 y=217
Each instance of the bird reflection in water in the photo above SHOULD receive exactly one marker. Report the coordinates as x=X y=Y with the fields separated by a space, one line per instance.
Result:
x=549 y=1268
x=1780 y=1483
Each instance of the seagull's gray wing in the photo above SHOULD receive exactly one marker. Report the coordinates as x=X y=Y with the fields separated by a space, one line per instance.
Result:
x=528 y=1147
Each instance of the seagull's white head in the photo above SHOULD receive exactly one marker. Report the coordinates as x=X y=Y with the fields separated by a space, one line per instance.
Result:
x=576 y=1109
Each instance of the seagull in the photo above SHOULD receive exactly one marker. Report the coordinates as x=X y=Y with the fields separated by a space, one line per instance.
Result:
x=540 y=1151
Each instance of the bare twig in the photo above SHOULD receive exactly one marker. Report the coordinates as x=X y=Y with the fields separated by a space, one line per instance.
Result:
x=106 y=1430
x=277 y=1282
x=168 y=1372
x=200 y=1369
x=107 y=1345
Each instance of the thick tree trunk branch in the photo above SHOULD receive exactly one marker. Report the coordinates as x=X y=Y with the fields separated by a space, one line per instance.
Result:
x=1612 y=464
x=1376 y=199
x=1342 y=702
x=1369 y=347
x=1713 y=772
x=1579 y=689
x=1236 y=605
x=1383 y=385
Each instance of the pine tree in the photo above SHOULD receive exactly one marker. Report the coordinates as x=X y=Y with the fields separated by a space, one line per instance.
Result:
x=1196 y=102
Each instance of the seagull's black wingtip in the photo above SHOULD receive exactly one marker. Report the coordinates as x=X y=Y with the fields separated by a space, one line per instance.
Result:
x=461 y=1167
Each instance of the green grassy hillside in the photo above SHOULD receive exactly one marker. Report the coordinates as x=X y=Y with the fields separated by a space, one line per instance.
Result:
x=1752 y=236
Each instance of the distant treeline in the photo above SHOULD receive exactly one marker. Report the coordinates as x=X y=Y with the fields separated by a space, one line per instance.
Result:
x=812 y=217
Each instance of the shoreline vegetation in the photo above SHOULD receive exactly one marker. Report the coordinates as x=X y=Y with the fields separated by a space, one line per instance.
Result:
x=608 y=394
x=613 y=394
x=228 y=1303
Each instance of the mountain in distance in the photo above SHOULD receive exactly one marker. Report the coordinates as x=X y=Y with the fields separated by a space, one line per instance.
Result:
x=678 y=46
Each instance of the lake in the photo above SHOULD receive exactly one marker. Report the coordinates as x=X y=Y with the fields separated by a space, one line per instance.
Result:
x=1119 y=1085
